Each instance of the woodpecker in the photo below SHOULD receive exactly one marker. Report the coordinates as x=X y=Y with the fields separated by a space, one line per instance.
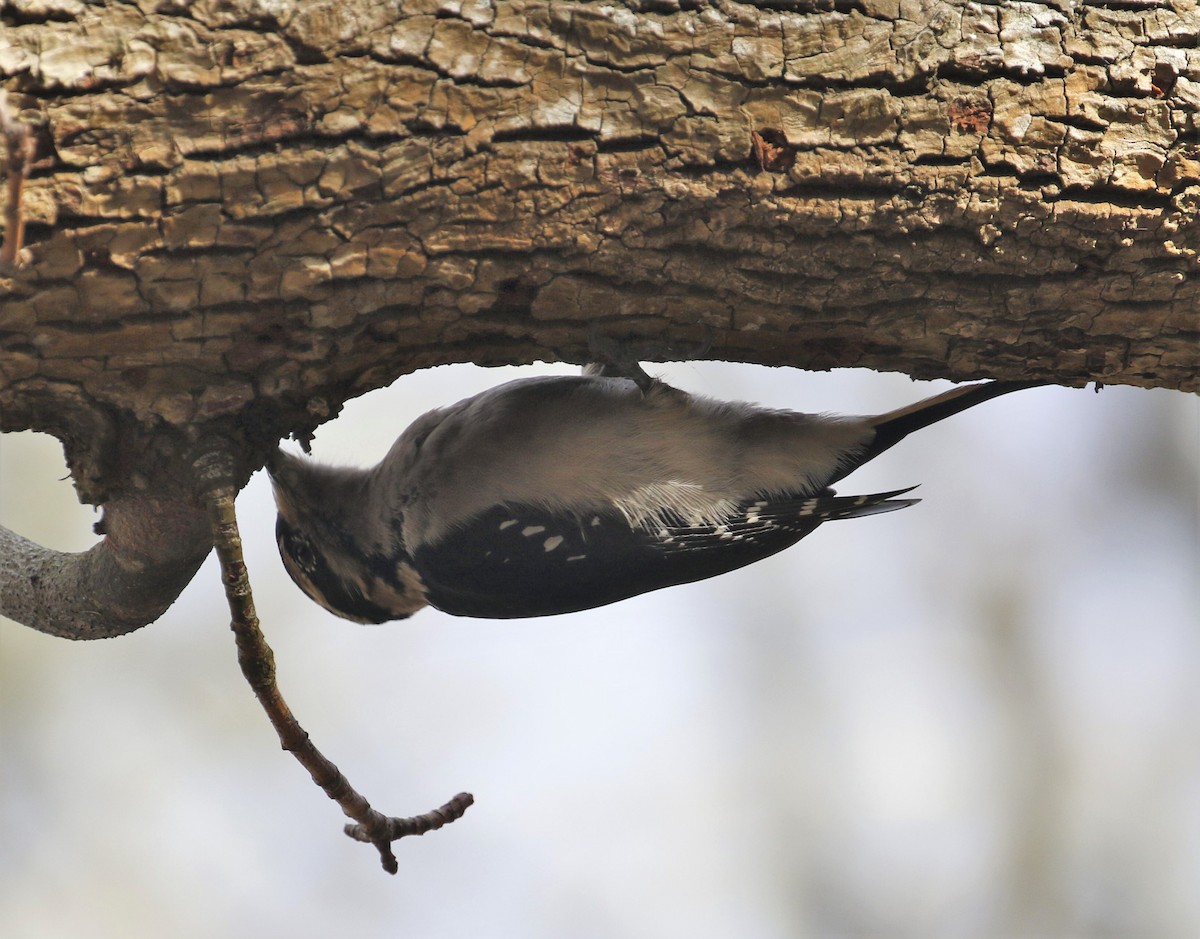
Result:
x=557 y=494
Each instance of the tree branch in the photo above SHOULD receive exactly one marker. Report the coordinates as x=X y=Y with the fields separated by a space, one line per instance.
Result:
x=154 y=546
x=257 y=661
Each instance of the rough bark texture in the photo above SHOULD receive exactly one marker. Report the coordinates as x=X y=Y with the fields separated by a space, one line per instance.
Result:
x=247 y=212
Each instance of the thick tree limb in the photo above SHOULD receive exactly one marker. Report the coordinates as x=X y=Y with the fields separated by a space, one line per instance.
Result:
x=153 y=545
x=271 y=208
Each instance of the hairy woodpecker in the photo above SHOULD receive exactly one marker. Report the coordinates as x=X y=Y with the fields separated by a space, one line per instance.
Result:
x=557 y=494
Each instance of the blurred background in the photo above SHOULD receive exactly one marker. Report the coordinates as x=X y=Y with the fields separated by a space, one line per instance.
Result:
x=977 y=717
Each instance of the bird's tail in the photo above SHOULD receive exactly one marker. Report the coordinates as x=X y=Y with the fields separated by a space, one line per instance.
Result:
x=830 y=507
x=894 y=426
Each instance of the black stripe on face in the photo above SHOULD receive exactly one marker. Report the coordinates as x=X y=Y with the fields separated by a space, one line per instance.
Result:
x=311 y=572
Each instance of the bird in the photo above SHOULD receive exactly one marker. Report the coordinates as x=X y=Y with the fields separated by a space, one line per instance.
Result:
x=557 y=494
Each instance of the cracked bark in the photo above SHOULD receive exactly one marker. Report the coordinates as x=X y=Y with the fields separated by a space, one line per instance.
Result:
x=245 y=214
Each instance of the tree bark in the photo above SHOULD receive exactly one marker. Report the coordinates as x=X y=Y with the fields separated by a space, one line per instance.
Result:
x=246 y=213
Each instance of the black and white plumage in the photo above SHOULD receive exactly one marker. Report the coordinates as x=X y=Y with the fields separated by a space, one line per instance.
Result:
x=558 y=494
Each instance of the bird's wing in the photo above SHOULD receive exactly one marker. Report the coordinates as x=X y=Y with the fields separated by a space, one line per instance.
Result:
x=517 y=561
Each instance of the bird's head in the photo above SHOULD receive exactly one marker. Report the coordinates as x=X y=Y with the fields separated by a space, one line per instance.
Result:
x=337 y=546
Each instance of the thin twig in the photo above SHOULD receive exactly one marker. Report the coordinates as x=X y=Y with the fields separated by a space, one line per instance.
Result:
x=20 y=147
x=417 y=824
x=214 y=473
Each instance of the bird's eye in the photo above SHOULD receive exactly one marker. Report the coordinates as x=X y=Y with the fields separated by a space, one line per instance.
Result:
x=303 y=554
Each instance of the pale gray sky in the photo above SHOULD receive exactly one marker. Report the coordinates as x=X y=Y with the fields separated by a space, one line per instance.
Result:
x=977 y=717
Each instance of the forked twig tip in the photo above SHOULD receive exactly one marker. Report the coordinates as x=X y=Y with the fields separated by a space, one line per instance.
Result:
x=384 y=830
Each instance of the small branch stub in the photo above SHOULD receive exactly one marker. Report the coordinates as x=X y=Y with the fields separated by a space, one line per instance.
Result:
x=771 y=150
x=19 y=147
